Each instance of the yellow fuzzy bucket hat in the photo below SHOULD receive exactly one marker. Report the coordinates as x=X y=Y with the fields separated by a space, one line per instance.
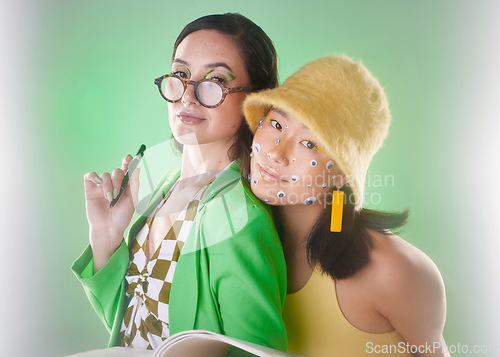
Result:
x=342 y=103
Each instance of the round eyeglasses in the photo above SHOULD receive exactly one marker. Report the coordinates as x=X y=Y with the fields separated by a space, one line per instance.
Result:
x=208 y=92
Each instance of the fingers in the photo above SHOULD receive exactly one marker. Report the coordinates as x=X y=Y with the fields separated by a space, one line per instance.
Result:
x=90 y=181
x=109 y=183
x=92 y=177
x=126 y=161
x=107 y=186
x=134 y=186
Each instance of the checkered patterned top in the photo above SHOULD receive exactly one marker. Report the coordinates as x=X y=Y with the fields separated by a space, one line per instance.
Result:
x=145 y=323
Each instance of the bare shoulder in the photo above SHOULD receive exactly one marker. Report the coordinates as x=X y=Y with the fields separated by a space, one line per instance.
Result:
x=408 y=287
x=396 y=264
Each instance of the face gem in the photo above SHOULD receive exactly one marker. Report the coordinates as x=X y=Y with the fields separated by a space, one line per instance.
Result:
x=255 y=181
x=266 y=200
x=310 y=200
x=295 y=178
x=292 y=203
x=259 y=127
x=277 y=141
x=329 y=165
x=333 y=177
x=256 y=147
x=281 y=194
x=286 y=126
x=294 y=159
x=323 y=186
x=309 y=186
x=251 y=154
x=313 y=163
x=249 y=178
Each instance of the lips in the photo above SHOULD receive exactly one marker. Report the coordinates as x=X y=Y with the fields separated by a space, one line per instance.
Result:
x=190 y=118
x=269 y=174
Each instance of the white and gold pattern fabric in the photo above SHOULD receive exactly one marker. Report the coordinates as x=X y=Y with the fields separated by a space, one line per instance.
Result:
x=145 y=323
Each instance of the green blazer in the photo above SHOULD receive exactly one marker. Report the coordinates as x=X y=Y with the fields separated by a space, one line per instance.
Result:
x=230 y=277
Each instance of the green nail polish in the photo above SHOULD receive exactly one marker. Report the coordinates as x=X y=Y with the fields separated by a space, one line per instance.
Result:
x=115 y=192
x=98 y=179
x=108 y=195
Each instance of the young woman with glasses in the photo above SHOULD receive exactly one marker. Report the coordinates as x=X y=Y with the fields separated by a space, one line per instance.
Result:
x=203 y=223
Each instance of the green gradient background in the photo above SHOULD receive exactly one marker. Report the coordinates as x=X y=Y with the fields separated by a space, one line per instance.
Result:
x=78 y=95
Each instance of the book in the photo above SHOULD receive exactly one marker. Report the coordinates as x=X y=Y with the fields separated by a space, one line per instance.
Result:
x=201 y=343
x=193 y=343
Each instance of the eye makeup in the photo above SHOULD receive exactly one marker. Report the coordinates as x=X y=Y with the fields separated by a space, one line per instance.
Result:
x=181 y=71
x=220 y=76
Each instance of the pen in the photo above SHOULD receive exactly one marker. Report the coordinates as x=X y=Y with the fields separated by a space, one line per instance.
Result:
x=133 y=165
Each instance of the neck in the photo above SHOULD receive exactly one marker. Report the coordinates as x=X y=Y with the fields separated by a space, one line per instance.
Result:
x=297 y=222
x=202 y=160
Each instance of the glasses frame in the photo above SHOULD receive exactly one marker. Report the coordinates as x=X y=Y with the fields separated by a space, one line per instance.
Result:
x=225 y=90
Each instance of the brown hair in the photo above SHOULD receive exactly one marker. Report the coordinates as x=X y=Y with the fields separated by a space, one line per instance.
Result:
x=259 y=55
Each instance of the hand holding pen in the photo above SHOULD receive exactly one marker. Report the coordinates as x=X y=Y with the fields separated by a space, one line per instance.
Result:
x=132 y=166
x=107 y=225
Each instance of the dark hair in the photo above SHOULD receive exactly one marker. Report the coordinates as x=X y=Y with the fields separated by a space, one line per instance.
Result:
x=341 y=254
x=259 y=56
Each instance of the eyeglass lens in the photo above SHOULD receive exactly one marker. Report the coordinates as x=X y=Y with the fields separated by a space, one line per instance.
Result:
x=208 y=93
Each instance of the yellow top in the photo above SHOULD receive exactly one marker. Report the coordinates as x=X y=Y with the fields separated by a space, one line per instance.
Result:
x=316 y=326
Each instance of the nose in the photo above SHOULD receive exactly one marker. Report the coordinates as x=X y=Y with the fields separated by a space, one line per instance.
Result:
x=189 y=95
x=278 y=154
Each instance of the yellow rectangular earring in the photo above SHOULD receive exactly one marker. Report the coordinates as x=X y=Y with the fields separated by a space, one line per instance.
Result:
x=337 y=210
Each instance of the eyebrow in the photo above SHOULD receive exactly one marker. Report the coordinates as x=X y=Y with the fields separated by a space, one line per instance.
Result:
x=208 y=65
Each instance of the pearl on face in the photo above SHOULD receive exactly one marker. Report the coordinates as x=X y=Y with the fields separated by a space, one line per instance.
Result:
x=249 y=178
x=313 y=163
x=251 y=154
x=329 y=165
x=266 y=200
x=281 y=194
x=323 y=186
x=310 y=200
x=286 y=126
x=277 y=141
x=256 y=181
x=294 y=159
x=259 y=127
x=256 y=147
x=295 y=178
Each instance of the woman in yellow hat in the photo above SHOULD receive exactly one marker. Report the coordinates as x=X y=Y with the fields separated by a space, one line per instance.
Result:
x=354 y=287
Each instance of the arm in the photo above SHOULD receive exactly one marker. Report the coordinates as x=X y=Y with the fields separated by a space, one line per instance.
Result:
x=414 y=300
x=248 y=273
x=104 y=289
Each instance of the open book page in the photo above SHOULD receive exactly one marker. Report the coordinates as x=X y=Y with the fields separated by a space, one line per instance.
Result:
x=201 y=343
x=115 y=352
